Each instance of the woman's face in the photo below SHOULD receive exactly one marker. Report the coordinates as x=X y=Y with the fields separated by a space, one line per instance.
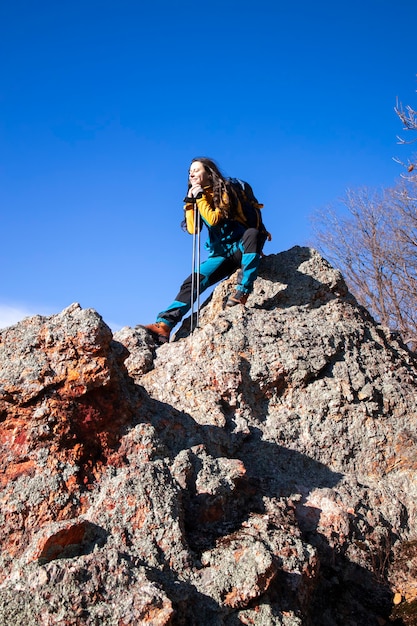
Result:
x=198 y=174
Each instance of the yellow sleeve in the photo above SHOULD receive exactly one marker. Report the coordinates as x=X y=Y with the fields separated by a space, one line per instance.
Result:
x=211 y=214
x=189 y=218
x=206 y=208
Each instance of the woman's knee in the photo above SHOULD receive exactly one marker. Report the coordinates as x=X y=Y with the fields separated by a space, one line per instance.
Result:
x=250 y=240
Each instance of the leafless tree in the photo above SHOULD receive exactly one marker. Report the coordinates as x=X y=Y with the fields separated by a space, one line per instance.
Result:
x=372 y=238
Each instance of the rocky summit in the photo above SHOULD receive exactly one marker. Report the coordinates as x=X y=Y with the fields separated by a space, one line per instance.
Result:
x=259 y=471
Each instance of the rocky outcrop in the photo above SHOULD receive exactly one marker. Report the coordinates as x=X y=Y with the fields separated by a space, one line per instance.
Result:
x=260 y=471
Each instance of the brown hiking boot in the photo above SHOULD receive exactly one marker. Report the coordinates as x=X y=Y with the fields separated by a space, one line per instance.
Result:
x=238 y=298
x=159 y=330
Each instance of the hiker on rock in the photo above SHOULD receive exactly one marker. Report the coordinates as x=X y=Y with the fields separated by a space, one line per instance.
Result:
x=236 y=236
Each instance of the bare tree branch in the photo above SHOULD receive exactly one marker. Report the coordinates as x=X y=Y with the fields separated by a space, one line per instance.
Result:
x=408 y=118
x=372 y=238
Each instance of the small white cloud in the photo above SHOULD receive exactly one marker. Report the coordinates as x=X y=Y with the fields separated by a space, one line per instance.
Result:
x=10 y=315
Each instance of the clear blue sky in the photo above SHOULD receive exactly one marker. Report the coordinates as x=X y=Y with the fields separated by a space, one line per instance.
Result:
x=104 y=103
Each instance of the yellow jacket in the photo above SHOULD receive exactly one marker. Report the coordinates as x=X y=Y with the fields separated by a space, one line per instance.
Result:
x=205 y=206
x=223 y=233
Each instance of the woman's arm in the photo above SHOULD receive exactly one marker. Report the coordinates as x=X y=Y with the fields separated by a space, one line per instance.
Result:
x=205 y=205
x=189 y=218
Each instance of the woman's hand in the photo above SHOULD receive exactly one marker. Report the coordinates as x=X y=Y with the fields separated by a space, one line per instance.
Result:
x=194 y=190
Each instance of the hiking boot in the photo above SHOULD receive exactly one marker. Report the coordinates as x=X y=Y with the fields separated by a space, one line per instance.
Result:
x=238 y=298
x=159 y=330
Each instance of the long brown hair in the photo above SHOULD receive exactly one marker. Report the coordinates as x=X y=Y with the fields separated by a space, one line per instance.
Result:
x=218 y=183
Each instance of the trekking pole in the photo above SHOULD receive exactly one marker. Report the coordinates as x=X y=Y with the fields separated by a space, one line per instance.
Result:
x=193 y=276
x=195 y=269
x=197 y=320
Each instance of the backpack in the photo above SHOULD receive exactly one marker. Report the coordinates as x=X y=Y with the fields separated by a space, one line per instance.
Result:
x=246 y=208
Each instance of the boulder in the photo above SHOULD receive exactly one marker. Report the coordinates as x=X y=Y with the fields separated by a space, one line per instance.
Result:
x=259 y=471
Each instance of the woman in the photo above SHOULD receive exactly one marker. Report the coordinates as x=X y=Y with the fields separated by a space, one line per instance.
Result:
x=231 y=244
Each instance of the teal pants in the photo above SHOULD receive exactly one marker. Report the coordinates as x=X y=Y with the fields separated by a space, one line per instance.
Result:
x=244 y=254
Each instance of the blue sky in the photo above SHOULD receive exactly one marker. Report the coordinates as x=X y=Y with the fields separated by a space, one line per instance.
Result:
x=104 y=104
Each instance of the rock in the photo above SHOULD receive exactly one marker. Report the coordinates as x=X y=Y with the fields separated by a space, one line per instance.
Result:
x=260 y=471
